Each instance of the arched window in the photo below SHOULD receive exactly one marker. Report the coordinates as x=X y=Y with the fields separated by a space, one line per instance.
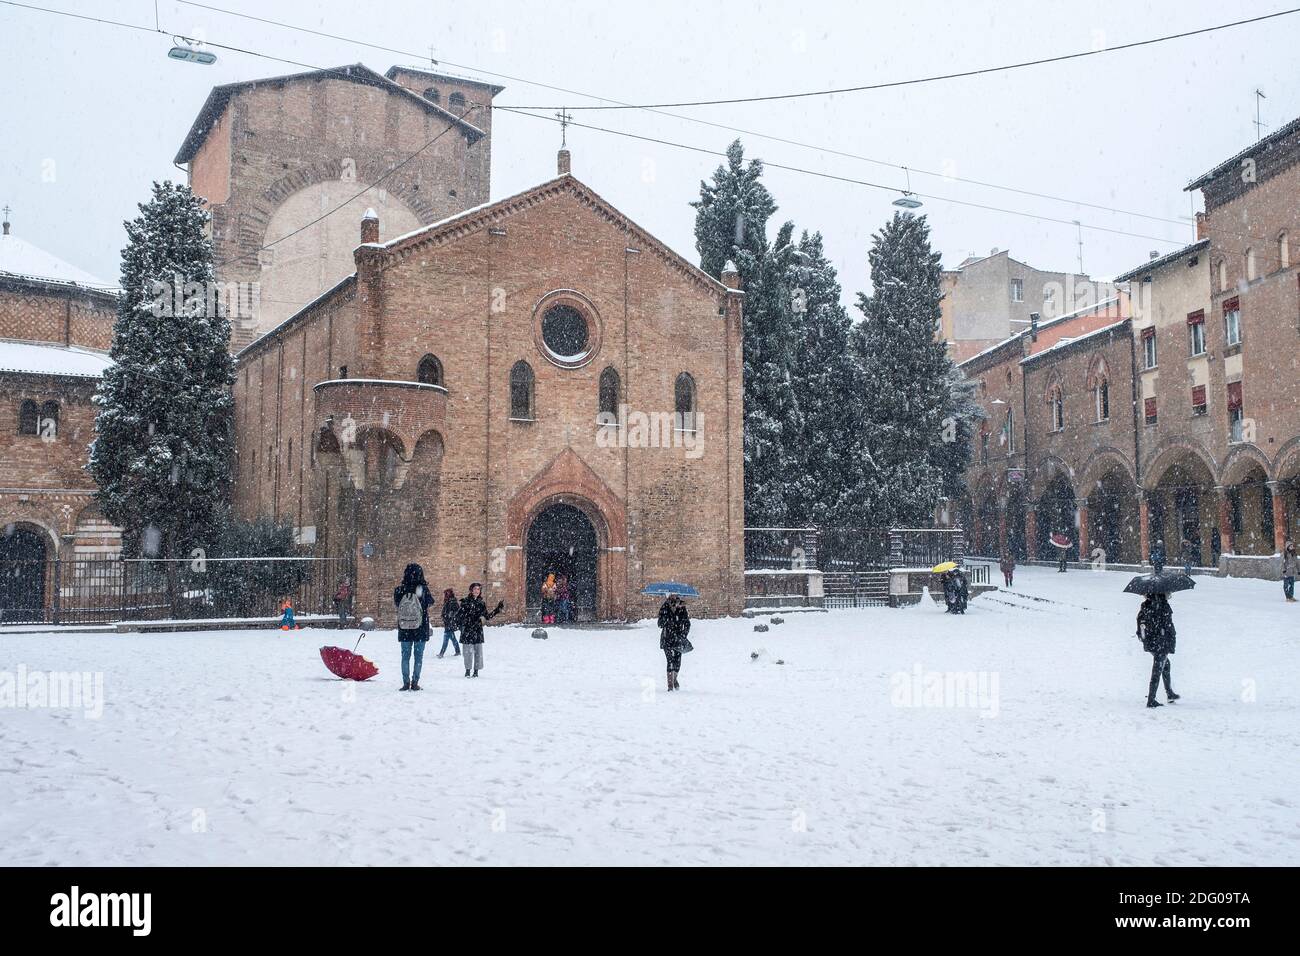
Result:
x=1099 y=385
x=28 y=413
x=521 y=391
x=1057 y=402
x=432 y=95
x=1283 y=251
x=1009 y=431
x=1250 y=264
x=1221 y=271
x=684 y=401
x=48 y=426
x=609 y=394
x=456 y=101
x=429 y=371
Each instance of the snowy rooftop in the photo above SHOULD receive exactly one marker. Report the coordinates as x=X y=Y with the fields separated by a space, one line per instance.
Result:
x=19 y=257
x=49 y=358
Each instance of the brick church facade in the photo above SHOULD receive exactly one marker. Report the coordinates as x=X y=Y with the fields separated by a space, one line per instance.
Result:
x=427 y=409
x=497 y=391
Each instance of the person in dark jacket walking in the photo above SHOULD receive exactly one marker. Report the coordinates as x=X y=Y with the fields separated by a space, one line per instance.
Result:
x=1155 y=628
x=450 y=621
x=1290 y=568
x=674 y=625
x=1157 y=556
x=1008 y=566
x=412 y=599
x=1191 y=554
x=473 y=615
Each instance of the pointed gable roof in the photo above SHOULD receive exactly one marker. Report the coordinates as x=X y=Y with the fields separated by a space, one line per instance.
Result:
x=491 y=214
x=216 y=102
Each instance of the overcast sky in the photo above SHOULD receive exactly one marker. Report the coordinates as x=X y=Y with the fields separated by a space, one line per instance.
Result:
x=90 y=114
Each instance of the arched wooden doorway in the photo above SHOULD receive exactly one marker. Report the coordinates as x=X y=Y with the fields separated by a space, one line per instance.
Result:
x=23 y=557
x=561 y=540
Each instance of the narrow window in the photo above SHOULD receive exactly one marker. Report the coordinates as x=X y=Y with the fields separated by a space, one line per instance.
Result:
x=1102 y=393
x=1232 y=321
x=1196 y=332
x=684 y=401
x=1223 y=274
x=1058 y=410
x=609 y=392
x=28 y=414
x=1236 y=417
x=1250 y=265
x=1149 y=409
x=521 y=391
x=429 y=371
x=1199 y=405
x=1149 y=348
x=1283 y=251
x=1009 y=431
x=1017 y=290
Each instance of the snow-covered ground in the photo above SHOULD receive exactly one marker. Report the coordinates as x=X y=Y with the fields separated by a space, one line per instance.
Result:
x=238 y=747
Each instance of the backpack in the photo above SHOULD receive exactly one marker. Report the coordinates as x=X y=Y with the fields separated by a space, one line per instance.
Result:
x=410 y=615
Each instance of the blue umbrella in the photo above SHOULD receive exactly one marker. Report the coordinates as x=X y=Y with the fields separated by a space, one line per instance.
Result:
x=665 y=588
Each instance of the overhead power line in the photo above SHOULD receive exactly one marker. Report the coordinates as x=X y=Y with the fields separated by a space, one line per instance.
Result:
x=522 y=111
x=964 y=74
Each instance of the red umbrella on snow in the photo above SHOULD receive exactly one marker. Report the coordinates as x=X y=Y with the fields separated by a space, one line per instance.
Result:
x=1059 y=540
x=348 y=664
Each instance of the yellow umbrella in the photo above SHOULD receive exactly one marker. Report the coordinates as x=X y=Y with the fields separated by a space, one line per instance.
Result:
x=946 y=566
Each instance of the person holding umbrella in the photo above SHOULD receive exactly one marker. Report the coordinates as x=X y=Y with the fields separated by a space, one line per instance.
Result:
x=1155 y=628
x=674 y=625
x=473 y=615
x=412 y=598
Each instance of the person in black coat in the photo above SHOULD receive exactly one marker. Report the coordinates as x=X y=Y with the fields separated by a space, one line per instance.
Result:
x=1155 y=627
x=1157 y=556
x=450 y=621
x=473 y=615
x=414 y=638
x=674 y=625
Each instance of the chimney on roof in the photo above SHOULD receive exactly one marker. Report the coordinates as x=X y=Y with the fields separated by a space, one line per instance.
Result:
x=1033 y=326
x=562 y=163
x=6 y=222
x=1202 y=226
x=370 y=227
x=1153 y=254
x=731 y=275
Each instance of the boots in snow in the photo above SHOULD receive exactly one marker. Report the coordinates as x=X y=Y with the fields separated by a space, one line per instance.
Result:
x=467 y=673
x=676 y=683
x=405 y=686
x=415 y=685
x=475 y=674
x=1152 y=702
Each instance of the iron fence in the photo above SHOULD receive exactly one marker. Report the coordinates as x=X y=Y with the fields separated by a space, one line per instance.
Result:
x=106 y=590
x=850 y=549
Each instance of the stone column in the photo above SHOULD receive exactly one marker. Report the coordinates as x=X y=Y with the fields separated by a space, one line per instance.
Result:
x=1144 y=527
x=1280 y=518
x=1002 y=527
x=1084 y=547
x=1226 y=543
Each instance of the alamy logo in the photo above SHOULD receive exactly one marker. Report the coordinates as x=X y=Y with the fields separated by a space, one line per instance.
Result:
x=55 y=690
x=102 y=909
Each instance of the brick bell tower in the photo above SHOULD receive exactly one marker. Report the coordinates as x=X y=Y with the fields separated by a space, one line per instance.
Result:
x=283 y=164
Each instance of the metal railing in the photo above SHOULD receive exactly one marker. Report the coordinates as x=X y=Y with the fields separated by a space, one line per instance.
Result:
x=107 y=590
x=831 y=550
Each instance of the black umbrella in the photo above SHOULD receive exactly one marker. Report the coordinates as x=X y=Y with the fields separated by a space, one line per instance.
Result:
x=1163 y=582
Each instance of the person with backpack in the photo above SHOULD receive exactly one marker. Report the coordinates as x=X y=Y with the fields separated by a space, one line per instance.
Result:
x=674 y=625
x=473 y=615
x=412 y=598
x=450 y=617
x=1155 y=628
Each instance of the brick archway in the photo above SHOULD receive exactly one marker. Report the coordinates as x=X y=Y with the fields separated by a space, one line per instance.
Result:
x=567 y=479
